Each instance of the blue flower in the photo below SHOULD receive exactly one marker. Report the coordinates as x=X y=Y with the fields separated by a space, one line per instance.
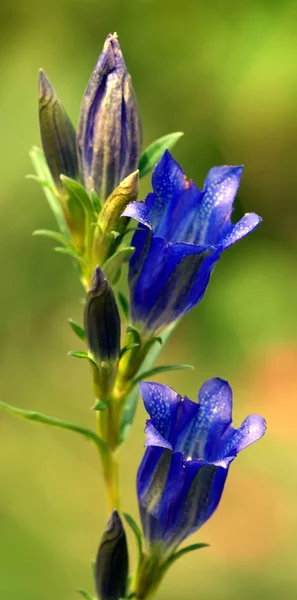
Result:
x=109 y=129
x=189 y=450
x=182 y=233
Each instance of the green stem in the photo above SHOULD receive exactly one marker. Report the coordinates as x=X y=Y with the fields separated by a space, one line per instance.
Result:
x=148 y=576
x=111 y=479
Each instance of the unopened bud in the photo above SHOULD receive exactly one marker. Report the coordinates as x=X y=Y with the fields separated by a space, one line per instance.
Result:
x=109 y=130
x=57 y=133
x=102 y=320
x=111 y=568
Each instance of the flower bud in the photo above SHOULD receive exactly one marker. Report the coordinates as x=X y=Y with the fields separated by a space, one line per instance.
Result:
x=102 y=320
x=111 y=568
x=109 y=130
x=57 y=133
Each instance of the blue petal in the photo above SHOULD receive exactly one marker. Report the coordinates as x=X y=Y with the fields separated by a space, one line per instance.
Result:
x=161 y=403
x=213 y=418
x=154 y=438
x=172 y=490
x=249 y=222
x=198 y=493
x=151 y=481
x=235 y=440
x=214 y=215
x=172 y=280
x=139 y=212
x=186 y=413
x=169 y=184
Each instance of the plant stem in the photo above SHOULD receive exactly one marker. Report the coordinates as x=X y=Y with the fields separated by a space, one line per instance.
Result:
x=111 y=479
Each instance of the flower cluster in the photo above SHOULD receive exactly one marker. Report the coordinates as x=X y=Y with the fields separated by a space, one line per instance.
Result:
x=91 y=179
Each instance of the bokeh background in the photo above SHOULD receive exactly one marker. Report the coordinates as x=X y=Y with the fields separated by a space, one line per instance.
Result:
x=225 y=73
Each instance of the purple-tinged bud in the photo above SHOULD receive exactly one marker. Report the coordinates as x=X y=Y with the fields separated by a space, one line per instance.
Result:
x=57 y=133
x=102 y=320
x=109 y=130
x=111 y=568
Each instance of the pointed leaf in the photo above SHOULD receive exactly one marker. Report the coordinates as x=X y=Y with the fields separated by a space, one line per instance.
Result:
x=36 y=417
x=112 y=267
x=43 y=172
x=78 y=191
x=134 y=333
x=101 y=405
x=85 y=595
x=95 y=201
x=53 y=235
x=80 y=354
x=124 y=305
x=155 y=150
x=78 y=329
x=71 y=252
x=183 y=551
x=160 y=369
x=136 y=530
x=128 y=347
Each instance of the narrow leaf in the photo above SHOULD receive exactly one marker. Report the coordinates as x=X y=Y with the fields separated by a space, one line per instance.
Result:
x=85 y=595
x=71 y=252
x=36 y=417
x=136 y=531
x=80 y=354
x=78 y=191
x=161 y=369
x=128 y=347
x=184 y=551
x=78 y=329
x=95 y=201
x=155 y=150
x=113 y=266
x=124 y=305
x=101 y=405
x=134 y=333
x=53 y=235
x=43 y=172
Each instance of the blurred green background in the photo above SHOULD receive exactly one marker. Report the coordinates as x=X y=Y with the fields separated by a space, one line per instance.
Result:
x=225 y=73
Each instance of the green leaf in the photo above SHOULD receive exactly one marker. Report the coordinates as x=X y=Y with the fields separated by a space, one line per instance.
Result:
x=101 y=405
x=182 y=552
x=160 y=369
x=78 y=329
x=131 y=402
x=44 y=175
x=136 y=531
x=95 y=201
x=134 y=333
x=80 y=354
x=155 y=150
x=124 y=305
x=85 y=595
x=128 y=347
x=53 y=235
x=71 y=252
x=36 y=417
x=113 y=266
x=76 y=190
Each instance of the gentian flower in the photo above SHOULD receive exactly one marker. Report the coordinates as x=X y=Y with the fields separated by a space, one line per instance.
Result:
x=182 y=233
x=190 y=448
x=109 y=129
